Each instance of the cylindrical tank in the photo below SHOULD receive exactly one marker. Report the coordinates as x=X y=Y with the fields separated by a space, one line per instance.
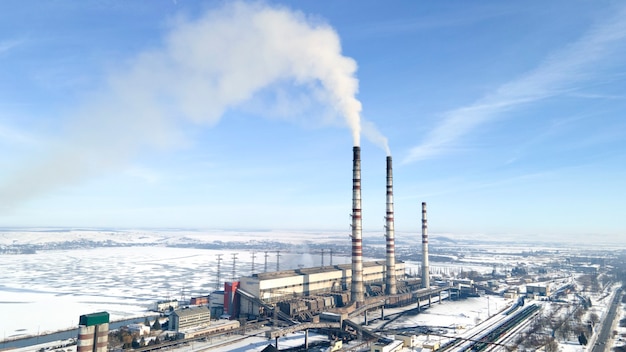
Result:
x=102 y=337
x=85 y=341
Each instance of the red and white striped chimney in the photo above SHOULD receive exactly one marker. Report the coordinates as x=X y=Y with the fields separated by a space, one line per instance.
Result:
x=425 y=271
x=357 y=247
x=390 y=278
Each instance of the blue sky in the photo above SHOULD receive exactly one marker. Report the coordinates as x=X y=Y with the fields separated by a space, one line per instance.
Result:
x=506 y=117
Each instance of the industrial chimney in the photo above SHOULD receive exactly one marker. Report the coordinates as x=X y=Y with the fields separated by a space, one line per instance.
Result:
x=390 y=235
x=425 y=271
x=357 y=248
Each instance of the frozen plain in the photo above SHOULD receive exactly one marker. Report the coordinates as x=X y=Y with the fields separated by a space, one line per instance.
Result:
x=49 y=290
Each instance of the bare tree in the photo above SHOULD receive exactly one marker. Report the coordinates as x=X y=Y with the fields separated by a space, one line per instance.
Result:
x=578 y=313
x=594 y=317
x=552 y=345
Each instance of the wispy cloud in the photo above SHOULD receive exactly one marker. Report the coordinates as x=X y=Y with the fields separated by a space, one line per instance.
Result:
x=553 y=128
x=451 y=17
x=598 y=96
x=557 y=74
x=7 y=45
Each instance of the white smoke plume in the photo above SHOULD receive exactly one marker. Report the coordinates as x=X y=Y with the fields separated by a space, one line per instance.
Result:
x=373 y=135
x=204 y=66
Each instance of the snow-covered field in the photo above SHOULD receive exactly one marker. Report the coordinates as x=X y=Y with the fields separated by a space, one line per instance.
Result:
x=455 y=315
x=49 y=290
x=72 y=274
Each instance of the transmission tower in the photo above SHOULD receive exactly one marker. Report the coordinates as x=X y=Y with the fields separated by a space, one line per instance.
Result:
x=182 y=295
x=322 y=257
x=219 y=272
x=266 y=255
x=277 y=260
x=234 y=255
x=252 y=269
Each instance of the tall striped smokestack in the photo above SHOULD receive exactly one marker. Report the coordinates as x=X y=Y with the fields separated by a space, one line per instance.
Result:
x=390 y=234
x=425 y=271
x=357 y=248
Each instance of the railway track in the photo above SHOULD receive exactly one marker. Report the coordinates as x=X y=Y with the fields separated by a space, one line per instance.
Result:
x=481 y=340
x=502 y=329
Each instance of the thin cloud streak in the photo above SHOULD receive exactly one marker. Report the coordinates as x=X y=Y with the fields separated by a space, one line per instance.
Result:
x=555 y=76
x=598 y=96
x=429 y=22
x=8 y=45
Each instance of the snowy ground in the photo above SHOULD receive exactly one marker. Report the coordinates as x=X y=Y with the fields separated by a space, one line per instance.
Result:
x=455 y=315
x=48 y=291
x=450 y=318
x=600 y=305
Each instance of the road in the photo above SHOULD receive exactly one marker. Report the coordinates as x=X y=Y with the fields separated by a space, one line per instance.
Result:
x=602 y=341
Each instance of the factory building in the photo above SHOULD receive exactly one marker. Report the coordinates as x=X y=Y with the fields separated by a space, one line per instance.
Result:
x=392 y=346
x=185 y=318
x=139 y=329
x=204 y=330
x=284 y=285
x=538 y=290
x=231 y=299
x=93 y=332
x=166 y=305
x=274 y=286
x=216 y=303
x=198 y=301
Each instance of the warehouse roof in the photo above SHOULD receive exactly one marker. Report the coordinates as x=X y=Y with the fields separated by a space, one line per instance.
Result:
x=188 y=311
x=94 y=319
x=315 y=270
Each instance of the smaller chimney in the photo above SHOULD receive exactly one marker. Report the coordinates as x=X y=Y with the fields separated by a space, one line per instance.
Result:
x=425 y=271
x=390 y=235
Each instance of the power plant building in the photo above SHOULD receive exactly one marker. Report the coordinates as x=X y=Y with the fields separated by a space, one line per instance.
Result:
x=185 y=318
x=281 y=285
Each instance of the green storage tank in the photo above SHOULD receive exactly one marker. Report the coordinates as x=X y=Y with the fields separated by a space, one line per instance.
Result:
x=94 y=319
